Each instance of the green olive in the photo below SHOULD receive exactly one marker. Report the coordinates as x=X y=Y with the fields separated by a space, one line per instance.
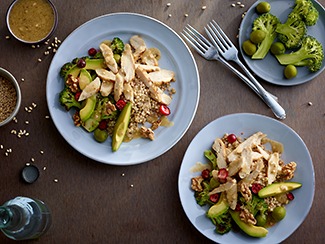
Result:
x=257 y=36
x=277 y=48
x=263 y=7
x=290 y=71
x=278 y=213
x=100 y=135
x=261 y=220
x=249 y=47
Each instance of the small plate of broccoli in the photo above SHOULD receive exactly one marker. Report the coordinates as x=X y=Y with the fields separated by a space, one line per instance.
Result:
x=297 y=25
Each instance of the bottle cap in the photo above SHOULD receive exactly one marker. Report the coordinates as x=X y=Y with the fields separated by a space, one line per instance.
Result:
x=30 y=173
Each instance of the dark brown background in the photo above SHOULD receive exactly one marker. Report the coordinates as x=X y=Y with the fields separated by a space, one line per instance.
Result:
x=92 y=202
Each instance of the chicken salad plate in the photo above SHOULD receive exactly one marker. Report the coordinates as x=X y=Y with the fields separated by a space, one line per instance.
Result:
x=207 y=200
x=149 y=83
x=269 y=68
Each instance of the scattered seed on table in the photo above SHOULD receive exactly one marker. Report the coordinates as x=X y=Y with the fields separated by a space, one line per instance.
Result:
x=169 y=15
x=41 y=152
x=32 y=159
x=122 y=174
x=186 y=15
x=168 y=4
x=310 y=103
x=44 y=168
x=7 y=37
x=22 y=79
x=233 y=5
x=204 y=7
x=131 y=185
x=39 y=60
x=27 y=164
x=56 y=180
x=1 y=147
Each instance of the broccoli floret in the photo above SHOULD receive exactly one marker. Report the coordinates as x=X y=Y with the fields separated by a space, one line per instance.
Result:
x=256 y=205
x=65 y=69
x=306 y=10
x=68 y=100
x=222 y=223
x=212 y=158
x=117 y=46
x=267 y=23
x=292 y=31
x=310 y=54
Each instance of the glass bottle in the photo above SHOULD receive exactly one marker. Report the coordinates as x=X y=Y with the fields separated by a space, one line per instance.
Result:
x=24 y=218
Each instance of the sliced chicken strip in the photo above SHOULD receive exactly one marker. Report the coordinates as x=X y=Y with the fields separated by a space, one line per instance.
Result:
x=139 y=45
x=118 y=86
x=162 y=76
x=109 y=57
x=127 y=63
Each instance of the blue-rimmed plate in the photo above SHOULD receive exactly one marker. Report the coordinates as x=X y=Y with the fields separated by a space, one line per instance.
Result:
x=244 y=125
x=269 y=68
x=175 y=56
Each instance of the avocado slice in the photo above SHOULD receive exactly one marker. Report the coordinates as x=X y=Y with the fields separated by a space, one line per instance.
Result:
x=88 y=109
x=219 y=208
x=278 y=188
x=91 y=64
x=121 y=127
x=84 y=78
x=95 y=63
x=249 y=229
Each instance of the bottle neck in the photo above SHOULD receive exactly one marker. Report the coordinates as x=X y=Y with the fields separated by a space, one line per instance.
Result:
x=5 y=217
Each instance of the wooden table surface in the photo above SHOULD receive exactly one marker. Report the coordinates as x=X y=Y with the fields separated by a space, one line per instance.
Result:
x=92 y=202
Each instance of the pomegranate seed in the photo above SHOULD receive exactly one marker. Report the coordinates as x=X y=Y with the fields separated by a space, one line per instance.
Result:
x=164 y=110
x=290 y=196
x=102 y=125
x=237 y=207
x=256 y=187
x=222 y=175
x=92 y=52
x=120 y=104
x=77 y=95
x=231 y=138
x=81 y=63
x=214 y=197
x=205 y=174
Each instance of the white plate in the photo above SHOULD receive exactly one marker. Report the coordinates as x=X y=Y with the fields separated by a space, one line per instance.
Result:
x=294 y=150
x=175 y=56
x=269 y=68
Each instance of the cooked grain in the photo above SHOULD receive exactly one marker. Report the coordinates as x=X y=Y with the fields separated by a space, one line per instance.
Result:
x=8 y=98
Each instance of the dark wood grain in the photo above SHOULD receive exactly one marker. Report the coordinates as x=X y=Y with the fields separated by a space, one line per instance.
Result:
x=93 y=202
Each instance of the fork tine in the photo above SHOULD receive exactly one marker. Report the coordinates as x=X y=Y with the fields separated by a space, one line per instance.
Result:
x=221 y=34
x=213 y=37
x=189 y=39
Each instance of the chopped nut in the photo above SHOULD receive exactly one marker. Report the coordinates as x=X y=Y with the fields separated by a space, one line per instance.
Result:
x=196 y=183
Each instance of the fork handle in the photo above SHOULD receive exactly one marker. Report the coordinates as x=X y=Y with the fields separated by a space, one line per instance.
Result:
x=278 y=111
x=248 y=82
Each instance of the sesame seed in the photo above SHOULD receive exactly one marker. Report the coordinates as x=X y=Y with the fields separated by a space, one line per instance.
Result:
x=44 y=168
x=242 y=5
x=168 y=4
x=1 y=146
x=41 y=152
x=204 y=7
x=238 y=3
x=56 y=180
x=22 y=79
x=26 y=122
x=47 y=117
x=169 y=15
x=122 y=174
x=6 y=154
x=7 y=37
x=186 y=15
x=34 y=105
x=39 y=60
x=131 y=185
x=310 y=103
x=33 y=46
x=32 y=159
x=27 y=164
x=233 y=5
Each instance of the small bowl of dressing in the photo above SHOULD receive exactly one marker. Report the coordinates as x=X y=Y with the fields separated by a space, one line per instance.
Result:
x=32 y=21
x=10 y=97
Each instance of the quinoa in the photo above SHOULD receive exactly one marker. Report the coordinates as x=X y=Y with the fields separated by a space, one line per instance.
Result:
x=8 y=98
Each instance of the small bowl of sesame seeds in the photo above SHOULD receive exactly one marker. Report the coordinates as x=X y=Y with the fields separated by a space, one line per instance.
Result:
x=32 y=21
x=10 y=97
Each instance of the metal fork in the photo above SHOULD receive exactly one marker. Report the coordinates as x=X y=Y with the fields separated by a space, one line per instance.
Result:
x=229 y=51
x=209 y=52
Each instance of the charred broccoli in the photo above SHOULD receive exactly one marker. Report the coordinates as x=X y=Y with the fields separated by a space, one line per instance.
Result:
x=117 y=46
x=66 y=68
x=222 y=223
x=267 y=23
x=306 y=10
x=68 y=100
x=292 y=31
x=310 y=54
